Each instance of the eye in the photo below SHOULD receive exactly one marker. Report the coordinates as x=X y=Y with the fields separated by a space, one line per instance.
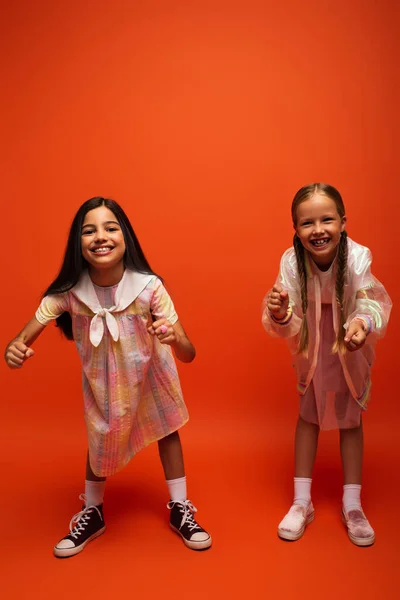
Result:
x=88 y=232
x=306 y=223
x=112 y=229
x=328 y=219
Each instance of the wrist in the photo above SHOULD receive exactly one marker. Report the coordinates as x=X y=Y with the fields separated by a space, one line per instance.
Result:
x=365 y=322
x=183 y=349
x=277 y=316
x=177 y=341
x=282 y=320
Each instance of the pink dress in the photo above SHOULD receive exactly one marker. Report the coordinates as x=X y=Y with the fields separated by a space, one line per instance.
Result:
x=131 y=389
x=328 y=401
x=332 y=387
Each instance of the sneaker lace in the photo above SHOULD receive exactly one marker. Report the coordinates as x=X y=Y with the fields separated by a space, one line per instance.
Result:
x=80 y=520
x=187 y=511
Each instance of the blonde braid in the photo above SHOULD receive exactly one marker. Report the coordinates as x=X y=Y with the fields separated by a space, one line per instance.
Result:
x=339 y=345
x=301 y=267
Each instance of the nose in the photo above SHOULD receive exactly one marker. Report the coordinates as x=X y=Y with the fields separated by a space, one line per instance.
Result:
x=101 y=235
x=318 y=228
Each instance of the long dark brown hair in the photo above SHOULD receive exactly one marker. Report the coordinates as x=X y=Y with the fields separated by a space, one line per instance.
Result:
x=305 y=193
x=74 y=264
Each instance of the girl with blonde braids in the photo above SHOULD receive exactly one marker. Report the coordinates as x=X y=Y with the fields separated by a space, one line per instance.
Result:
x=331 y=309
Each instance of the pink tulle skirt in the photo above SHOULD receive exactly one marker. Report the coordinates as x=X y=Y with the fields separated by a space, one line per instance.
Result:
x=328 y=401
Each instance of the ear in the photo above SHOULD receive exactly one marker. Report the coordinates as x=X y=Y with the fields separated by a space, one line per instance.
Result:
x=343 y=223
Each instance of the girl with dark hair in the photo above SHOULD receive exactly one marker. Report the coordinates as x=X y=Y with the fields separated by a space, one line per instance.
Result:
x=331 y=309
x=116 y=309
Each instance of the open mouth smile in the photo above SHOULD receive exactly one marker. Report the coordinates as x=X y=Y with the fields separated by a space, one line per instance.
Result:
x=102 y=250
x=320 y=243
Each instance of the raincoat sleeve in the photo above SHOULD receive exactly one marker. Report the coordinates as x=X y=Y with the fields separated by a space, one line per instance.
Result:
x=372 y=303
x=52 y=307
x=288 y=279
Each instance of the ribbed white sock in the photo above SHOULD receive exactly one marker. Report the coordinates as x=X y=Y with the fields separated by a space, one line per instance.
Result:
x=94 y=492
x=177 y=489
x=351 y=496
x=302 y=491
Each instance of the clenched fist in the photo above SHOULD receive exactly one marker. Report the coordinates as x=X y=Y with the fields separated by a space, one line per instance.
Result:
x=355 y=336
x=17 y=353
x=278 y=302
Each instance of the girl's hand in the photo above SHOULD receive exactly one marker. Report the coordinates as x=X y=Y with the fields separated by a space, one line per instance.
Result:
x=164 y=331
x=355 y=336
x=17 y=353
x=278 y=302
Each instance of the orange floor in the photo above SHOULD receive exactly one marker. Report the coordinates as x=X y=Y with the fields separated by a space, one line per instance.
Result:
x=239 y=477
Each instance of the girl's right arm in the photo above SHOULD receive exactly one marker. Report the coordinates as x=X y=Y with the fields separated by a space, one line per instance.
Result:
x=284 y=295
x=18 y=350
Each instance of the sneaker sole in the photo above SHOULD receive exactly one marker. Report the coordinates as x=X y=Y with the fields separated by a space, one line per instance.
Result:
x=203 y=545
x=294 y=536
x=357 y=540
x=67 y=552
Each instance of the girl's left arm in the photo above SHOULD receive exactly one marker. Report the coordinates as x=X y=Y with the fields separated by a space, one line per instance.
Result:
x=373 y=304
x=166 y=326
x=175 y=336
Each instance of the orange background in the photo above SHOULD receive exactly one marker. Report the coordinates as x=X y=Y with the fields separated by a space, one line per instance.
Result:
x=202 y=119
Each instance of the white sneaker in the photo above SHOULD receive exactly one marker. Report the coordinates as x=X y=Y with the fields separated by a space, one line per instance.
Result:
x=294 y=523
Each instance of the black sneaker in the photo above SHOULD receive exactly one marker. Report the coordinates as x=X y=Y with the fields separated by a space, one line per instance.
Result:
x=84 y=527
x=182 y=521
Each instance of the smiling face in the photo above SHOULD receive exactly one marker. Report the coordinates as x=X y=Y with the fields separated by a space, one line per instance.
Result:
x=103 y=244
x=318 y=226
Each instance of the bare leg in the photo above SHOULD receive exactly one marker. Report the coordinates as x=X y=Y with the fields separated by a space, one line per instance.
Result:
x=306 y=444
x=90 y=476
x=170 y=451
x=351 y=450
x=301 y=512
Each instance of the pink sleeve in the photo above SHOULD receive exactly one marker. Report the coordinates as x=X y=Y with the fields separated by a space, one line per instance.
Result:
x=288 y=280
x=161 y=304
x=52 y=307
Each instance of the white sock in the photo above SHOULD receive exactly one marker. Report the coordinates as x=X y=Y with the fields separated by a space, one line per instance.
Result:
x=177 y=489
x=302 y=491
x=94 y=492
x=351 y=496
